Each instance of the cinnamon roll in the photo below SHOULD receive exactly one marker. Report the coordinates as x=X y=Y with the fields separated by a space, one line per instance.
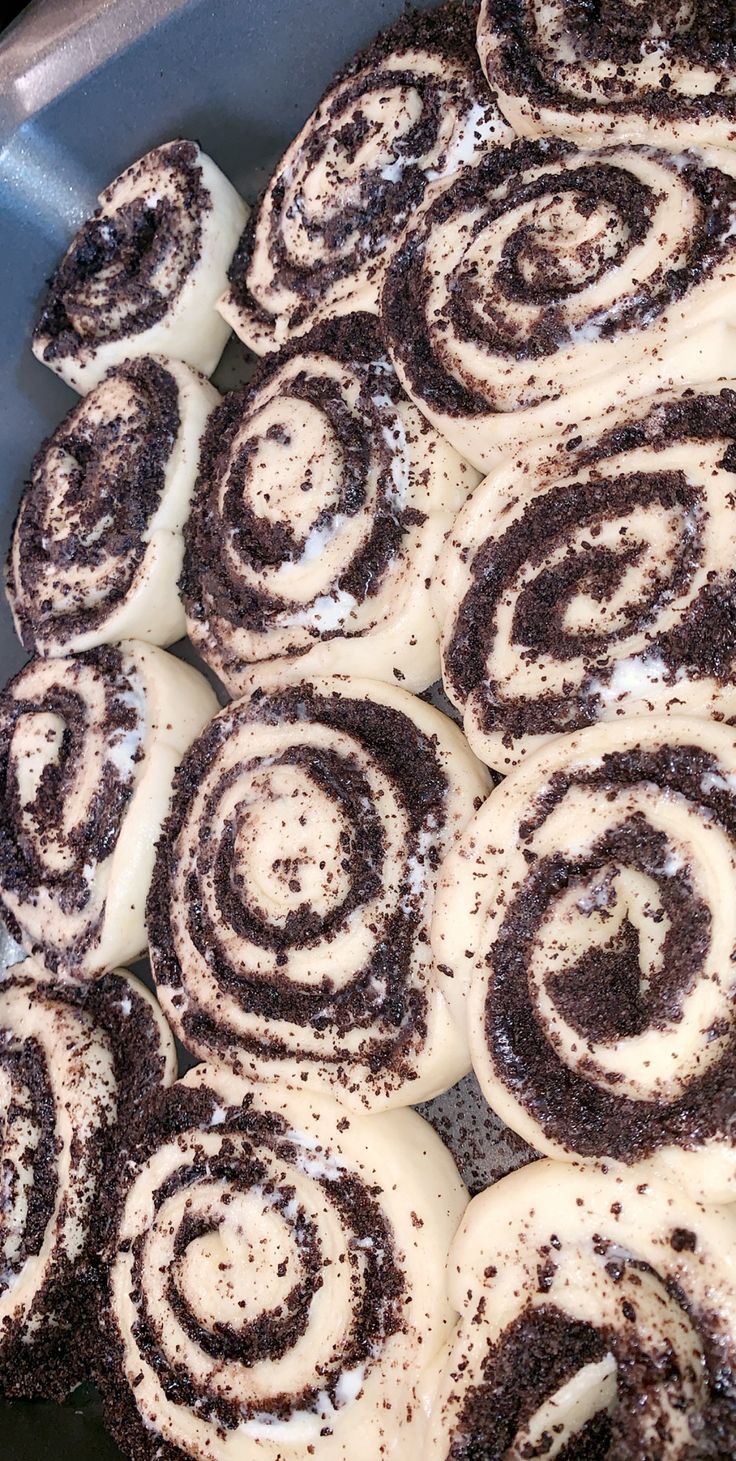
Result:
x=275 y=1277
x=594 y=577
x=589 y=906
x=598 y=1319
x=546 y=283
x=323 y=502
x=294 y=881
x=403 y=116
x=98 y=545
x=664 y=72
x=88 y=750
x=143 y=275
x=77 y=1069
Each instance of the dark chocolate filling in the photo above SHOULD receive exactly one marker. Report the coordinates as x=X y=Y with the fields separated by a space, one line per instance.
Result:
x=212 y=587
x=476 y=308
x=604 y=999
x=618 y=34
x=119 y=474
x=704 y=643
x=378 y=1287
x=127 y=249
x=384 y=205
x=382 y=993
x=22 y=870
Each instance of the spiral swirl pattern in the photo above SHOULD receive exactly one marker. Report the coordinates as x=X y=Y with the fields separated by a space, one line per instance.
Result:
x=593 y=577
x=294 y=883
x=76 y=1069
x=590 y=906
x=547 y=283
x=403 y=116
x=274 y=1267
x=323 y=502
x=97 y=547
x=598 y=1320
x=88 y=750
x=664 y=72
x=143 y=275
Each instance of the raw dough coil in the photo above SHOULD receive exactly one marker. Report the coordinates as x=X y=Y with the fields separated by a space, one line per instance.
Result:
x=294 y=883
x=88 y=750
x=593 y=577
x=598 y=1318
x=98 y=543
x=590 y=906
x=77 y=1068
x=323 y=502
x=661 y=72
x=402 y=117
x=143 y=275
x=275 y=1277
x=546 y=284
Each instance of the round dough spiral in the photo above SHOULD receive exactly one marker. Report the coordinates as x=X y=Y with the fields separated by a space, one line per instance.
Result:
x=98 y=544
x=290 y=905
x=401 y=118
x=275 y=1277
x=323 y=502
x=594 y=577
x=591 y=903
x=661 y=72
x=77 y=1067
x=546 y=283
x=598 y=1319
x=143 y=275
x=88 y=750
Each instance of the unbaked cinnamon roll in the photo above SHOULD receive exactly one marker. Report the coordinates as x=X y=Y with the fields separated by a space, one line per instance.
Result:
x=594 y=577
x=587 y=918
x=143 y=275
x=294 y=883
x=322 y=505
x=546 y=283
x=664 y=72
x=404 y=115
x=275 y=1277
x=598 y=1320
x=77 y=1069
x=98 y=543
x=88 y=750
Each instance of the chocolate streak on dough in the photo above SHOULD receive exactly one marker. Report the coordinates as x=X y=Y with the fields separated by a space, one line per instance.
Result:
x=384 y=207
x=570 y=1110
x=616 y=33
x=544 y=1348
x=409 y=759
x=133 y=243
x=704 y=642
x=381 y=1291
x=60 y=1353
x=405 y=308
x=129 y=491
x=207 y=578
x=95 y=838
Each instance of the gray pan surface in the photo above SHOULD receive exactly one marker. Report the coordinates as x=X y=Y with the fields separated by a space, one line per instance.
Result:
x=86 y=86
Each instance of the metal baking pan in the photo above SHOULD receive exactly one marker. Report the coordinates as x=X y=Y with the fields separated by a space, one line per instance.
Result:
x=86 y=86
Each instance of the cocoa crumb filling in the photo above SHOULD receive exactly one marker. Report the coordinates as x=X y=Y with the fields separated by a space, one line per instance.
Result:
x=704 y=642
x=382 y=992
x=618 y=34
x=126 y=489
x=475 y=310
x=384 y=205
x=129 y=248
x=250 y=1142
x=603 y=999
